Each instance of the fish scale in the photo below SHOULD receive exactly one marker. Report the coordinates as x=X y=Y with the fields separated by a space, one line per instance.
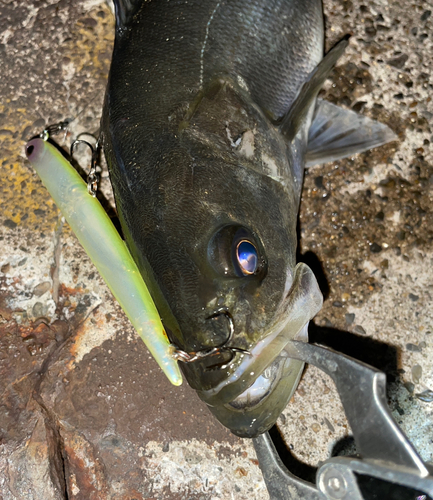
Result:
x=269 y=56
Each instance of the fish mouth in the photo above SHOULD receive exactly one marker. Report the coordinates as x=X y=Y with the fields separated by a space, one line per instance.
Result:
x=265 y=383
x=257 y=409
x=266 y=373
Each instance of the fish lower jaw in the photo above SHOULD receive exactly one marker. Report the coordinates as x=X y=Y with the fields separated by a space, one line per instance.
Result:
x=264 y=385
x=258 y=392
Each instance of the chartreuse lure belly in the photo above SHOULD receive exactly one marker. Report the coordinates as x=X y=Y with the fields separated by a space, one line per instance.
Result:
x=106 y=249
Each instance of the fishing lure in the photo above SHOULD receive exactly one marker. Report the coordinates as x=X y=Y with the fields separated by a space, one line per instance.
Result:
x=106 y=249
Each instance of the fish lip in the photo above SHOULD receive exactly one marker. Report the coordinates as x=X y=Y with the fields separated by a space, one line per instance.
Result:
x=302 y=303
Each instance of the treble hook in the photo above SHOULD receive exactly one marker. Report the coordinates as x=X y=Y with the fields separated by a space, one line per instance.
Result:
x=189 y=357
x=92 y=178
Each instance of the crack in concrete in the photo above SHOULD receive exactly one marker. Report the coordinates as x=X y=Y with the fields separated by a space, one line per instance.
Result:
x=57 y=455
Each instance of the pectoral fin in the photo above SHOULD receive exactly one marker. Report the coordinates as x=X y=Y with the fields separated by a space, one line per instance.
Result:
x=337 y=133
x=297 y=113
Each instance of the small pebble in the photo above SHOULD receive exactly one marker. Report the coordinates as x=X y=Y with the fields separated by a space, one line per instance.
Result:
x=387 y=183
x=5 y=268
x=416 y=374
x=39 y=309
x=379 y=216
x=316 y=427
x=412 y=347
x=360 y=330
x=410 y=387
x=329 y=425
x=39 y=124
x=359 y=106
x=399 y=409
x=326 y=322
x=398 y=62
x=89 y=22
x=318 y=181
x=241 y=472
x=375 y=248
x=426 y=396
x=350 y=318
x=426 y=15
x=9 y=223
x=413 y=297
x=40 y=289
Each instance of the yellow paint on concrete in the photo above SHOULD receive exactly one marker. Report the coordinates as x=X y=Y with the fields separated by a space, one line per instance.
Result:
x=20 y=189
x=87 y=48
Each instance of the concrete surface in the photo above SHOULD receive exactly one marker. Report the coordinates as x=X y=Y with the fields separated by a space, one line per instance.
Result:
x=85 y=413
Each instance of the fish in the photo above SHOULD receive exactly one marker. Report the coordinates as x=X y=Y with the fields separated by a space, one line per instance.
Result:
x=210 y=118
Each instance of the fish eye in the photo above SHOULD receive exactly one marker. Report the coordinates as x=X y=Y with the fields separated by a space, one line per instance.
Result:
x=235 y=252
x=247 y=257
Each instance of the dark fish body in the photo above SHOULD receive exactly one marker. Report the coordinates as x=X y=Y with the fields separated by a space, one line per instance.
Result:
x=202 y=157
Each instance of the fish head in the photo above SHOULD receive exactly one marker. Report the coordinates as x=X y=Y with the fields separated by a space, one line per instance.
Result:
x=234 y=263
x=243 y=297
x=212 y=224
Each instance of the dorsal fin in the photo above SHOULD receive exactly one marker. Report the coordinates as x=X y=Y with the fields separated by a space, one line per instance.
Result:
x=294 y=118
x=125 y=10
